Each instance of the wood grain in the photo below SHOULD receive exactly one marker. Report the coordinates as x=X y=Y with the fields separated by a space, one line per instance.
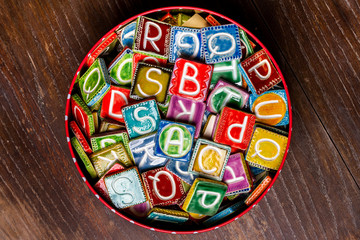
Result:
x=316 y=44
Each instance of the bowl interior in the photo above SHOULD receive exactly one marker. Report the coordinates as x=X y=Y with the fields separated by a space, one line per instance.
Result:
x=193 y=228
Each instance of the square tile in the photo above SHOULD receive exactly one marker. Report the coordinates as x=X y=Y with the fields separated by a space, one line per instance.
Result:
x=267 y=149
x=228 y=71
x=152 y=36
x=141 y=118
x=126 y=188
x=205 y=197
x=174 y=140
x=100 y=186
x=167 y=216
x=82 y=115
x=150 y=81
x=185 y=43
x=209 y=159
x=103 y=140
x=237 y=175
x=234 y=128
x=126 y=34
x=113 y=101
x=225 y=94
x=270 y=108
x=221 y=43
x=142 y=149
x=162 y=186
x=106 y=157
x=120 y=69
x=95 y=83
x=190 y=79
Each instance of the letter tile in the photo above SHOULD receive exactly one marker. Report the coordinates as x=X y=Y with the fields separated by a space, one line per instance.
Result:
x=270 y=107
x=185 y=43
x=120 y=69
x=126 y=33
x=167 y=216
x=225 y=94
x=104 y=48
x=106 y=157
x=152 y=36
x=221 y=43
x=163 y=187
x=94 y=84
x=259 y=72
x=234 y=128
x=187 y=111
x=190 y=79
x=174 y=140
x=150 y=81
x=84 y=158
x=209 y=159
x=142 y=150
x=102 y=140
x=237 y=175
x=100 y=186
x=80 y=137
x=126 y=188
x=113 y=101
x=141 y=118
x=205 y=197
x=82 y=115
x=267 y=149
x=228 y=71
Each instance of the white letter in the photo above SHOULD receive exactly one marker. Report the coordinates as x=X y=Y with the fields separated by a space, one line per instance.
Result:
x=266 y=116
x=242 y=126
x=254 y=68
x=118 y=73
x=179 y=142
x=187 y=45
x=88 y=91
x=185 y=77
x=111 y=105
x=234 y=178
x=158 y=71
x=258 y=151
x=151 y=39
x=106 y=140
x=141 y=119
x=148 y=154
x=156 y=179
x=82 y=117
x=200 y=161
x=191 y=113
x=205 y=193
x=214 y=50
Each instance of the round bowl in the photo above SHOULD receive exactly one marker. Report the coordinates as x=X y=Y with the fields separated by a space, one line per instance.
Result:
x=184 y=230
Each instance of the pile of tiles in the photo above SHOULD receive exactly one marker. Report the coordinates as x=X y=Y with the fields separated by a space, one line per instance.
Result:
x=179 y=119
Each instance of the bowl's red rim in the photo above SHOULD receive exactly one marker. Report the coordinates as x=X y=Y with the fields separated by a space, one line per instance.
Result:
x=67 y=110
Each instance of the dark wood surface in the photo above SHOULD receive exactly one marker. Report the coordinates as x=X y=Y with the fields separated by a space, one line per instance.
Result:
x=317 y=46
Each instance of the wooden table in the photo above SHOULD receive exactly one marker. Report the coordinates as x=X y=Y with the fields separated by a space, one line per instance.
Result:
x=316 y=44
